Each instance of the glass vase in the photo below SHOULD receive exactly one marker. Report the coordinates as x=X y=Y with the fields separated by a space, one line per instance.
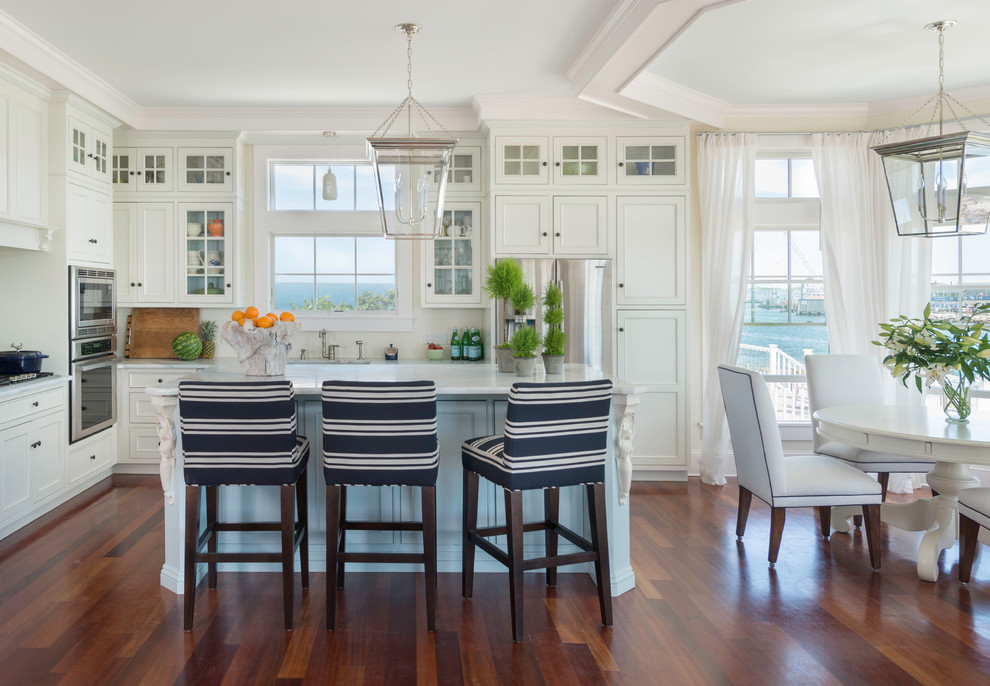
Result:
x=957 y=407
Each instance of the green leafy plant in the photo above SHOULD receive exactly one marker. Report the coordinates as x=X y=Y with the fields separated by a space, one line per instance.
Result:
x=523 y=298
x=554 y=339
x=953 y=354
x=503 y=278
x=525 y=342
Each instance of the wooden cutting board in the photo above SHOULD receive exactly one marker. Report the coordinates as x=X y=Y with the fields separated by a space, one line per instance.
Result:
x=151 y=330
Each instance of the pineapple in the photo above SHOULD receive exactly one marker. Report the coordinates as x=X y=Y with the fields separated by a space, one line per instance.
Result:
x=207 y=332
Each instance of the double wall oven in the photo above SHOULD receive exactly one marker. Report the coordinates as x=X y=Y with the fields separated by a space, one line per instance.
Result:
x=92 y=351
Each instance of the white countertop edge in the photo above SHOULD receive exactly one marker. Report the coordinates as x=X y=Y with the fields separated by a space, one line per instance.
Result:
x=33 y=386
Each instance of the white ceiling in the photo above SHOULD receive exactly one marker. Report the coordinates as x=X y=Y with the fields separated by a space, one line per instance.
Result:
x=698 y=59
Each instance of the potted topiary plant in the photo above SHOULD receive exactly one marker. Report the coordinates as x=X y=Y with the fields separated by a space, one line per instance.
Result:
x=503 y=278
x=523 y=298
x=525 y=342
x=554 y=338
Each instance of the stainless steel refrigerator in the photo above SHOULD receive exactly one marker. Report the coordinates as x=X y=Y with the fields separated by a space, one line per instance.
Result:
x=587 y=289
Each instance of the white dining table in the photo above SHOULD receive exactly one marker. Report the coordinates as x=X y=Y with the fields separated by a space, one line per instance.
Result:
x=919 y=432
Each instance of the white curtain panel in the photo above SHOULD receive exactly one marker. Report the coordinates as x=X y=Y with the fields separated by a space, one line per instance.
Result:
x=726 y=168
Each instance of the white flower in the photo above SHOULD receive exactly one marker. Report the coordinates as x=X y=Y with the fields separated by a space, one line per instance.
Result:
x=924 y=339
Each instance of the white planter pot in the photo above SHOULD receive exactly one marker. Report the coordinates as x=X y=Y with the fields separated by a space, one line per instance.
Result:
x=525 y=366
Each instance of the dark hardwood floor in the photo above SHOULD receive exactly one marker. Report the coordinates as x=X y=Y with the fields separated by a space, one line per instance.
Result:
x=80 y=603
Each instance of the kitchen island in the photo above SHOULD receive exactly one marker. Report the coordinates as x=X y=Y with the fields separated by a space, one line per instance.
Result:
x=471 y=401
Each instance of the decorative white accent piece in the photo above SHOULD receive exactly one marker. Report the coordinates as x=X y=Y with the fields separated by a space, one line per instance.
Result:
x=625 y=406
x=261 y=352
x=164 y=411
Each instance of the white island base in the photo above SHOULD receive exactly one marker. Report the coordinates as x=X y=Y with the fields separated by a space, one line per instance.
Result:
x=471 y=402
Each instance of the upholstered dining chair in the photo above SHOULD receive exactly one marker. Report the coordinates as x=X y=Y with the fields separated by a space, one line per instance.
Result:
x=242 y=434
x=783 y=481
x=853 y=380
x=974 y=512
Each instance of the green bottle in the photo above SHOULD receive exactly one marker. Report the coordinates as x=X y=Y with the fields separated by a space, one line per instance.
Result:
x=455 y=346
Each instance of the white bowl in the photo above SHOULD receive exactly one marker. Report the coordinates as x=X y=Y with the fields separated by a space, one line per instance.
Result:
x=194 y=229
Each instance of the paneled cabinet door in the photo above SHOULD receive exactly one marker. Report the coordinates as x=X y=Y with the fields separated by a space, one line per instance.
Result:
x=139 y=170
x=522 y=225
x=652 y=160
x=579 y=160
x=464 y=172
x=15 y=469
x=47 y=448
x=88 y=225
x=651 y=244
x=451 y=271
x=89 y=149
x=205 y=232
x=206 y=170
x=521 y=159
x=144 y=243
x=580 y=225
x=651 y=347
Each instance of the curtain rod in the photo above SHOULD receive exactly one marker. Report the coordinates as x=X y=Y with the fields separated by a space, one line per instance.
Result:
x=976 y=117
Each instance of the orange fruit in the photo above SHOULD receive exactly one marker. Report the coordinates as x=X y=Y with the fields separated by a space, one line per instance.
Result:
x=287 y=317
x=238 y=316
x=273 y=316
x=251 y=312
x=265 y=322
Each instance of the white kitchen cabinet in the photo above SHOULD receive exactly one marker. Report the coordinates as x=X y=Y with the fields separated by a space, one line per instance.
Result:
x=651 y=350
x=651 y=246
x=144 y=245
x=464 y=171
x=205 y=170
x=23 y=151
x=522 y=159
x=579 y=160
x=523 y=225
x=205 y=255
x=650 y=160
x=450 y=263
x=88 y=225
x=141 y=170
x=90 y=455
x=89 y=145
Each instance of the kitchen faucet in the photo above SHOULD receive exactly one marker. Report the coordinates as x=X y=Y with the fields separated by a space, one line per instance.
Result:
x=360 y=345
x=327 y=352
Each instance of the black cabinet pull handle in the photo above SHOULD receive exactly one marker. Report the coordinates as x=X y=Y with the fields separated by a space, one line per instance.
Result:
x=92 y=457
x=92 y=240
x=36 y=444
x=90 y=155
x=35 y=403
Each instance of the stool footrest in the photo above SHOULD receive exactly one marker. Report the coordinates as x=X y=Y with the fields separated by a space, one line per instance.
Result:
x=381 y=526
x=381 y=557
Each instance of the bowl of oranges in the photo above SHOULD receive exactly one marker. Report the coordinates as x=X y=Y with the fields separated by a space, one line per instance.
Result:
x=261 y=341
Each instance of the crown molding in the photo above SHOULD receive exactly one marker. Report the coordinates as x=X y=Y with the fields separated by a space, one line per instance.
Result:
x=495 y=107
x=675 y=98
x=25 y=82
x=37 y=53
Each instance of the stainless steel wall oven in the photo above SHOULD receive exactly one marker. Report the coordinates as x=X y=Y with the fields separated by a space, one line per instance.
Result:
x=92 y=351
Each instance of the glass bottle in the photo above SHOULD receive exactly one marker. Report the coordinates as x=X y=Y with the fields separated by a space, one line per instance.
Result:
x=455 y=346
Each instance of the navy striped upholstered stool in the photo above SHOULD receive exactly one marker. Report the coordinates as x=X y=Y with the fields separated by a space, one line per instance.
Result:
x=242 y=434
x=554 y=436
x=379 y=434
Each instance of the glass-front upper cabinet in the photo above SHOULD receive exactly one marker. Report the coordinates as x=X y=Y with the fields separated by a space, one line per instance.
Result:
x=205 y=239
x=206 y=169
x=451 y=262
x=464 y=171
x=521 y=159
x=579 y=160
x=136 y=170
x=653 y=160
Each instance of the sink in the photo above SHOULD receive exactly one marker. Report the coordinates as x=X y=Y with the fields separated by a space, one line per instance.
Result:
x=320 y=360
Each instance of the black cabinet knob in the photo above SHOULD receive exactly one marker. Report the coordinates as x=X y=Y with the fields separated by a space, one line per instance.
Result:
x=132 y=284
x=36 y=444
x=429 y=285
x=138 y=173
x=90 y=155
x=228 y=173
x=159 y=381
x=557 y=234
x=92 y=457
x=228 y=285
x=556 y=164
x=140 y=284
x=620 y=164
x=93 y=241
x=35 y=403
x=544 y=164
x=622 y=285
x=544 y=233
x=131 y=173
x=621 y=329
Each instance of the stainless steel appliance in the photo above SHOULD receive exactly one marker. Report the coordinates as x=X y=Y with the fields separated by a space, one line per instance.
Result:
x=587 y=289
x=92 y=351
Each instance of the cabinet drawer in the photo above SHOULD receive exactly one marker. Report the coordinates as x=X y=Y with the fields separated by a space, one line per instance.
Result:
x=91 y=456
x=27 y=406
x=144 y=379
x=143 y=445
x=139 y=408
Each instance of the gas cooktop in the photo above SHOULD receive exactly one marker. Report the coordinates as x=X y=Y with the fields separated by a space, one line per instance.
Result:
x=8 y=379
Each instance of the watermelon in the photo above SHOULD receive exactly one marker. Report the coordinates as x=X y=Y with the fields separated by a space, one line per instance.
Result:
x=187 y=346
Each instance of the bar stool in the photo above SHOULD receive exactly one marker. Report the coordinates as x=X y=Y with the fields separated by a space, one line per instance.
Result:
x=555 y=436
x=380 y=434
x=242 y=434
x=974 y=512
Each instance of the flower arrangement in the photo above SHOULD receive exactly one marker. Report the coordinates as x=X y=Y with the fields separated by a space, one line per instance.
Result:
x=953 y=354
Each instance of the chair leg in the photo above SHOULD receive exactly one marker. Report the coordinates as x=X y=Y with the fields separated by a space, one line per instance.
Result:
x=745 y=498
x=514 y=523
x=871 y=520
x=189 y=568
x=288 y=520
x=884 y=479
x=825 y=520
x=343 y=535
x=469 y=516
x=333 y=537
x=302 y=512
x=969 y=531
x=551 y=512
x=429 y=498
x=211 y=544
x=777 y=516
x=599 y=543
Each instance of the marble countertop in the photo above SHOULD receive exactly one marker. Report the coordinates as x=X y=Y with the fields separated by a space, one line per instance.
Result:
x=33 y=386
x=451 y=378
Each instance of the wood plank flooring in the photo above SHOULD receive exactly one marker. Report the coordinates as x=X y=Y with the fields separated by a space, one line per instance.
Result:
x=80 y=603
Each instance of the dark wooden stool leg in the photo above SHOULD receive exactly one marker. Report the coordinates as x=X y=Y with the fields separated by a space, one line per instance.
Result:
x=342 y=531
x=884 y=479
x=969 y=531
x=599 y=542
x=745 y=498
x=514 y=524
x=777 y=516
x=288 y=521
x=429 y=498
x=302 y=512
x=333 y=536
x=469 y=516
x=551 y=512
x=825 y=520
x=189 y=567
x=211 y=522
x=871 y=519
